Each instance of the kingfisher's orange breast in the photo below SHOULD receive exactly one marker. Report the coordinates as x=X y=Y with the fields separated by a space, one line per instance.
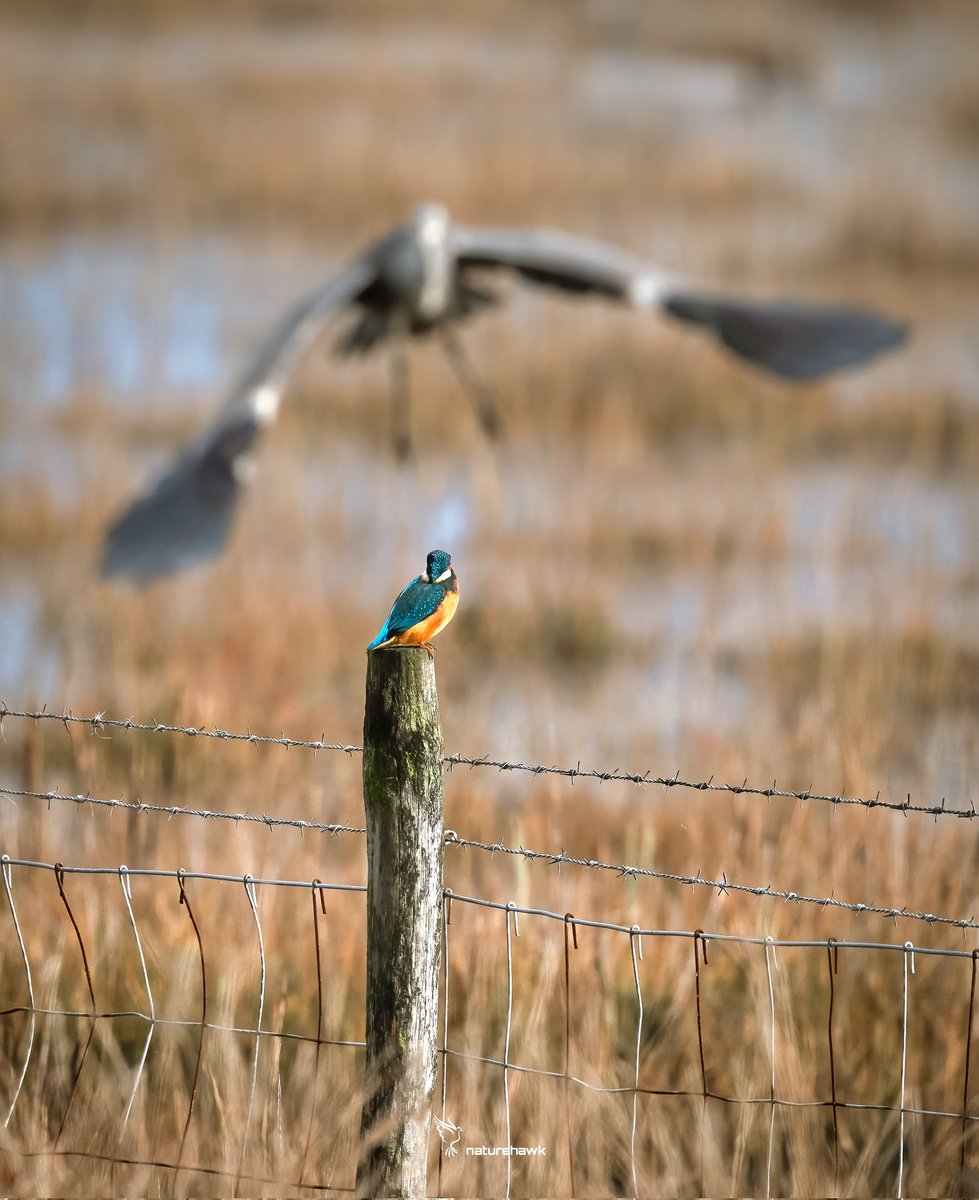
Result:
x=426 y=629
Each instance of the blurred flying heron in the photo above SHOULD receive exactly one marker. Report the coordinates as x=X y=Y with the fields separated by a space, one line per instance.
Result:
x=427 y=276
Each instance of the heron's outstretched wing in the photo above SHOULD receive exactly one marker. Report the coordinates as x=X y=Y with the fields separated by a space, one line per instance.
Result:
x=187 y=515
x=553 y=258
x=793 y=339
x=797 y=340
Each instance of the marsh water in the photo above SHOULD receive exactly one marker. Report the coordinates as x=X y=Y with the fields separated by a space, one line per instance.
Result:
x=112 y=325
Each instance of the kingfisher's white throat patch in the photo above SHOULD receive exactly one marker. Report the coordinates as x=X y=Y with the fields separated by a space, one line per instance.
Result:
x=444 y=576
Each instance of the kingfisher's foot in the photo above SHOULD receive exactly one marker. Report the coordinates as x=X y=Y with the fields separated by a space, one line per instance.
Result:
x=411 y=646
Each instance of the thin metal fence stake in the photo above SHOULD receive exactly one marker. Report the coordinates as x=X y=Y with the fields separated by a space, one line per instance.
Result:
x=769 y=956
x=252 y=897
x=8 y=887
x=127 y=895
x=908 y=956
x=833 y=966
x=568 y=922
x=635 y=944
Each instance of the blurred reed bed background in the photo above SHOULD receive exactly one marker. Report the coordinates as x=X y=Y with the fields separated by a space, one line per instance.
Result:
x=671 y=563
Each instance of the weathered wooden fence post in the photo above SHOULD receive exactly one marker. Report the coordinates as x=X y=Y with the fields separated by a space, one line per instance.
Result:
x=403 y=802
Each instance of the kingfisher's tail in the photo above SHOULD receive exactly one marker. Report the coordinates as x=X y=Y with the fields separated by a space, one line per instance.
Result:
x=381 y=637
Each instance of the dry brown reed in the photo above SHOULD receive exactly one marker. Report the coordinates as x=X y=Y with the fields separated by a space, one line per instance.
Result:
x=671 y=563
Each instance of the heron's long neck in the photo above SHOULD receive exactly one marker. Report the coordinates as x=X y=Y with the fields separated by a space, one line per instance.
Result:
x=433 y=298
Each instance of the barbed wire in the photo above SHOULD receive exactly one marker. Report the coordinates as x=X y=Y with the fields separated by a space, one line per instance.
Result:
x=722 y=885
x=100 y=722
x=177 y=810
x=550 y=857
x=647 y=779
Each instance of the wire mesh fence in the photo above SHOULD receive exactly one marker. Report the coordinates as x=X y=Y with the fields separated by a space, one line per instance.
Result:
x=178 y=1030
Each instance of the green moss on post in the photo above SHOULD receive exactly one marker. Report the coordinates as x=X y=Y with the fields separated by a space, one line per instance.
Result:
x=405 y=824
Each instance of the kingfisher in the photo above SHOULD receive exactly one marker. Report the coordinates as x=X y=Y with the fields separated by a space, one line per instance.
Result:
x=423 y=608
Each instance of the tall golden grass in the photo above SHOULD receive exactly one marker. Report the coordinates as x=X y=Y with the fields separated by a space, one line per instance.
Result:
x=671 y=564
